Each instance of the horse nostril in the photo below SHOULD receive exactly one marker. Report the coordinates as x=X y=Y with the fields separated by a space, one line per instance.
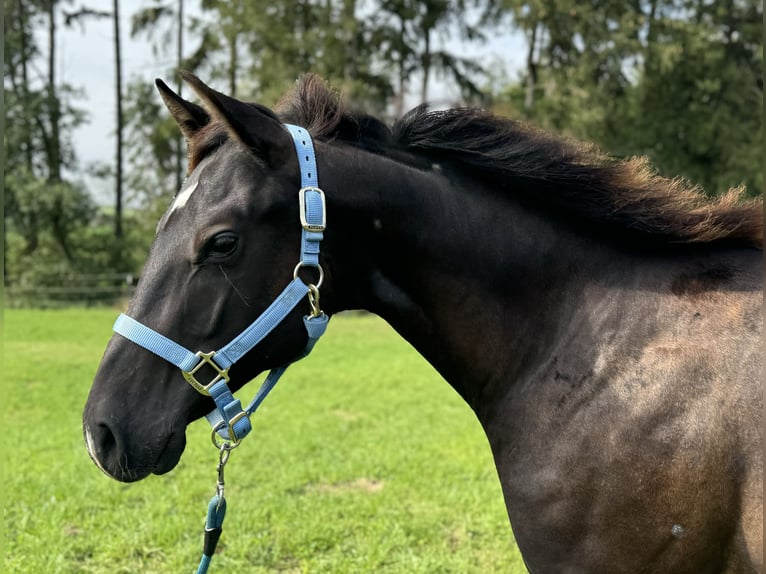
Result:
x=108 y=442
x=102 y=446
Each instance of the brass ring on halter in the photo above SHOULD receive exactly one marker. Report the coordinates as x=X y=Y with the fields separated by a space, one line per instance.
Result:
x=226 y=444
x=302 y=264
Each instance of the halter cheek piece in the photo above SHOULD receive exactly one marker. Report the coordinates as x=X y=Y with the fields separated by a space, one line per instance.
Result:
x=229 y=420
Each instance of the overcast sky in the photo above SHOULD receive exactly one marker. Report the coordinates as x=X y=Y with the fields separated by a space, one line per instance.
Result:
x=86 y=60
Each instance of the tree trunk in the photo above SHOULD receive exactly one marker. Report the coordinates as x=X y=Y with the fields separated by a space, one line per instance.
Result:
x=349 y=43
x=426 y=66
x=399 y=109
x=118 y=95
x=54 y=147
x=651 y=34
x=179 y=58
x=529 y=95
x=233 y=63
x=58 y=228
x=25 y=89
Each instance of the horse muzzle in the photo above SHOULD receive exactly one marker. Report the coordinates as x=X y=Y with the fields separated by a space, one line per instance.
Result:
x=127 y=461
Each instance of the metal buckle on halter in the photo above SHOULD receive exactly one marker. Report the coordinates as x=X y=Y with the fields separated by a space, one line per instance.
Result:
x=205 y=358
x=233 y=441
x=302 y=206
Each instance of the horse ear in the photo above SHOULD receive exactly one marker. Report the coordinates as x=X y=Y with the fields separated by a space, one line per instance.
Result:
x=189 y=117
x=253 y=124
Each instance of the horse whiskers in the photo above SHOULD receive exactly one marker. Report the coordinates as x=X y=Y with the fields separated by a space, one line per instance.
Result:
x=124 y=469
x=237 y=291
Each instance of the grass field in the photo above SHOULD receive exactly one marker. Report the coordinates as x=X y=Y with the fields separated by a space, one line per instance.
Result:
x=361 y=460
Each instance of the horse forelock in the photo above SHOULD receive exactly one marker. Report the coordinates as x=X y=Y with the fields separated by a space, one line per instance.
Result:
x=312 y=104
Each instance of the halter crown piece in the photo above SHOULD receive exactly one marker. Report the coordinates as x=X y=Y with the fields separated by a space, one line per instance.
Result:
x=229 y=420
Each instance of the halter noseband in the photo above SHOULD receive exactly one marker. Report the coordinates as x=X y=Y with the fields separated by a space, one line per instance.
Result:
x=229 y=420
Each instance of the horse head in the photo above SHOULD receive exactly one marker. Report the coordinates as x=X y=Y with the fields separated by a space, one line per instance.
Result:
x=223 y=251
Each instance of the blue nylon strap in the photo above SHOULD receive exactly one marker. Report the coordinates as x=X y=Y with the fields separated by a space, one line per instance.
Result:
x=227 y=407
x=268 y=384
x=204 y=564
x=218 y=416
x=263 y=325
x=185 y=360
x=310 y=248
x=151 y=340
x=315 y=327
x=313 y=206
x=313 y=200
x=216 y=512
x=306 y=156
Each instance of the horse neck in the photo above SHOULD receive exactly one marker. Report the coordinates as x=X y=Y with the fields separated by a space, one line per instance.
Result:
x=476 y=282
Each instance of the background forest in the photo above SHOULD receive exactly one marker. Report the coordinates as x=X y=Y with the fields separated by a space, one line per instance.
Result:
x=677 y=80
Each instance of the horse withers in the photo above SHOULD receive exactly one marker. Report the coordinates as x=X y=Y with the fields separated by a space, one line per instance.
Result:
x=604 y=323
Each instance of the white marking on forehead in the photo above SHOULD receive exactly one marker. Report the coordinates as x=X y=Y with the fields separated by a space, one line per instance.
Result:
x=188 y=187
x=183 y=196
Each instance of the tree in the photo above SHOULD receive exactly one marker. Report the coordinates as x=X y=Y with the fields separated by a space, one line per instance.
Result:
x=80 y=16
x=118 y=176
x=671 y=79
x=229 y=21
x=696 y=106
x=39 y=118
x=53 y=138
x=150 y=21
x=407 y=33
x=151 y=149
x=46 y=211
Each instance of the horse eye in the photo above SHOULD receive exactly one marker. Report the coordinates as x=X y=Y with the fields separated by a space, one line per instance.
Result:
x=222 y=243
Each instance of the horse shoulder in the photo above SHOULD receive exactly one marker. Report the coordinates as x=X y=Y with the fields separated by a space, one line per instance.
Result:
x=607 y=450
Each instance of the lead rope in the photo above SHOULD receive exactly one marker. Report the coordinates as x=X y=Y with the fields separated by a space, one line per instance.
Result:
x=216 y=510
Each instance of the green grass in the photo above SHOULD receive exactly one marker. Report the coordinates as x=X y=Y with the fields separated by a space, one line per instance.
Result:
x=361 y=460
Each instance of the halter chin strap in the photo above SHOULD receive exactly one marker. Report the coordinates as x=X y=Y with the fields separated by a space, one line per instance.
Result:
x=229 y=419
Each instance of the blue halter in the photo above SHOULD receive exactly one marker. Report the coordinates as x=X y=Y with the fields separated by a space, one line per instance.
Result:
x=229 y=419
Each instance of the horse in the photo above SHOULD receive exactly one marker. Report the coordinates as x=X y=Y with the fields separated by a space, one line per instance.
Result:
x=602 y=321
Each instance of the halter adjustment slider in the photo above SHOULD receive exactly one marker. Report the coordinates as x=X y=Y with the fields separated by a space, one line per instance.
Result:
x=205 y=358
x=307 y=218
x=234 y=439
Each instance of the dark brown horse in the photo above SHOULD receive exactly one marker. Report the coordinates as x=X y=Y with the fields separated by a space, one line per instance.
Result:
x=604 y=323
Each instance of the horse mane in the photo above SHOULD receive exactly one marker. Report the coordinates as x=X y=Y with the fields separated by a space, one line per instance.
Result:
x=566 y=176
